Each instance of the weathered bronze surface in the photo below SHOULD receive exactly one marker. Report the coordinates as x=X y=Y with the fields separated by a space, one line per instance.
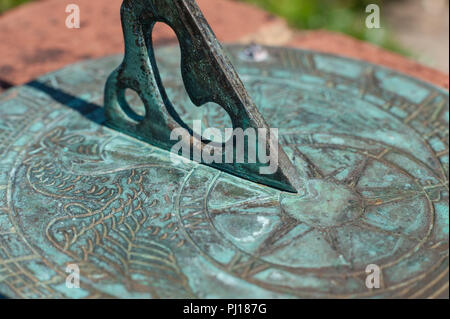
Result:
x=369 y=147
x=376 y=147
x=208 y=77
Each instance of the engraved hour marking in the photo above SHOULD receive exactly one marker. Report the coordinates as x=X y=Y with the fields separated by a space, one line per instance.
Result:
x=420 y=108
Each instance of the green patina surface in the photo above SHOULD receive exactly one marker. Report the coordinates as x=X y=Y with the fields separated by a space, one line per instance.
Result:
x=368 y=148
x=75 y=191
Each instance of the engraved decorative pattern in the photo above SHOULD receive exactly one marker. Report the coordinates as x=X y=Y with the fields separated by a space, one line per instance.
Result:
x=370 y=144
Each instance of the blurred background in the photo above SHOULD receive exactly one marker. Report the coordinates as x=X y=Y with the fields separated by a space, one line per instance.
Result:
x=418 y=29
x=414 y=28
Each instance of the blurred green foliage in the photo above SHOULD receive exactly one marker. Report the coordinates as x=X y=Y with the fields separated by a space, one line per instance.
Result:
x=8 y=4
x=345 y=16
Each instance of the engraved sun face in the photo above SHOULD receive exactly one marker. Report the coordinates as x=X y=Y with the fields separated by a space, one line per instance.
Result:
x=323 y=204
x=371 y=212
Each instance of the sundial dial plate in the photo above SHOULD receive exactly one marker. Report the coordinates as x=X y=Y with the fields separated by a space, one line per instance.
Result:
x=370 y=144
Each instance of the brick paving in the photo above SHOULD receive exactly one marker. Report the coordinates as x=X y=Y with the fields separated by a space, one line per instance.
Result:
x=34 y=39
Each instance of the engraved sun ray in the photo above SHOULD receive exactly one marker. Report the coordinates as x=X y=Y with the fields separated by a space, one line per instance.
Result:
x=246 y=206
x=274 y=241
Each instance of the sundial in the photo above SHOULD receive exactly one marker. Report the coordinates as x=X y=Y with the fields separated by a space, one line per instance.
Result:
x=87 y=177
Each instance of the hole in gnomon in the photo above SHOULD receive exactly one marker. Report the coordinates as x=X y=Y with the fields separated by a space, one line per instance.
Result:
x=168 y=59
x=134 y=107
